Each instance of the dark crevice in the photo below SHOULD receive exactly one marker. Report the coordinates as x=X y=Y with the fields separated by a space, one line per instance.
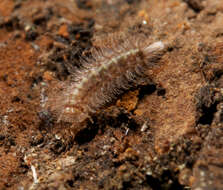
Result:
x=161 y=91
x=208 y=114
x=147 y=90
x=86 y=135
x=195 y=5
x=166 y=182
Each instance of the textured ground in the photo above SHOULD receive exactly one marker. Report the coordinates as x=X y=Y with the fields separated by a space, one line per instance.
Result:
x=164 y=135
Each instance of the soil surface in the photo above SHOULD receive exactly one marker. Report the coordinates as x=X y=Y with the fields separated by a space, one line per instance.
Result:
x=167 y=134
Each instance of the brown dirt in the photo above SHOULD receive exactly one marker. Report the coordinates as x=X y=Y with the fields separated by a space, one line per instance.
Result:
x=163 y=135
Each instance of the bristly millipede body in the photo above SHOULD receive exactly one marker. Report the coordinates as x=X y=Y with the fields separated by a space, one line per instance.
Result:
x=110 y=72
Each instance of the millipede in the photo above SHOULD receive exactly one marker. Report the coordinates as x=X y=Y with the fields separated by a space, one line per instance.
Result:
x=110 y=71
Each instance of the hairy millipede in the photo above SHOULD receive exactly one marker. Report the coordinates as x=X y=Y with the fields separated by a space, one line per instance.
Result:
x=110 y=72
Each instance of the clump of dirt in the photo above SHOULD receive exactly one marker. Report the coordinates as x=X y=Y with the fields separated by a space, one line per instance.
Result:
x=165 y=134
